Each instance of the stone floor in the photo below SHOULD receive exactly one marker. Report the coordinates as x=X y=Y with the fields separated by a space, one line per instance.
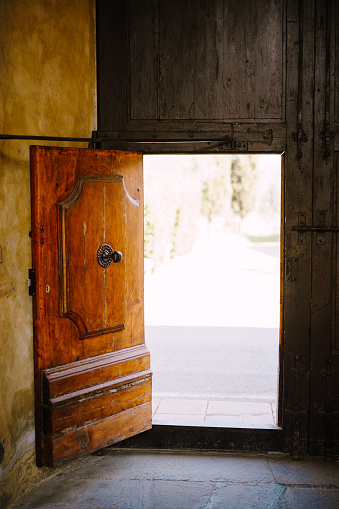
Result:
x=145 y=479
x=206 y=413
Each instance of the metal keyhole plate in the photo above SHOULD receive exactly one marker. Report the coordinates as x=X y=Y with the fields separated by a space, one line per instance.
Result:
x=105 y=255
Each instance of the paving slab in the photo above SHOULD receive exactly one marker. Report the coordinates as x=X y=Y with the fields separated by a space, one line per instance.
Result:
x=75 y=493
x=182 y=466
x=310 y=498
x=176 y=410
x=155 y=405
x=316 y=472
x=176 y=495
x=182 y=406
x=243 y=418
x=172 y=419
x=123 y=464
x=240 y=496
x=238 y=408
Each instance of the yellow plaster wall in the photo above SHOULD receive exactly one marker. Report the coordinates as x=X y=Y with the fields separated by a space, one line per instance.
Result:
x=47 y=87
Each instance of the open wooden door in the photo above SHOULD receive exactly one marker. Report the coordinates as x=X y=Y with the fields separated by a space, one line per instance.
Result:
x=92 y=368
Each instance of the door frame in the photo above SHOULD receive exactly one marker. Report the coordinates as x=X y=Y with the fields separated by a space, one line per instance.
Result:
x=222 y=437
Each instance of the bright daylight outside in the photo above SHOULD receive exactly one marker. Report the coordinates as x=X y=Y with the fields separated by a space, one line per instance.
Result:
x=212 y=287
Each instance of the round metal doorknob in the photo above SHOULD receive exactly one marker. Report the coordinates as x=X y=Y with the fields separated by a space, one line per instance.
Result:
x=117 y=257
x=106 y=255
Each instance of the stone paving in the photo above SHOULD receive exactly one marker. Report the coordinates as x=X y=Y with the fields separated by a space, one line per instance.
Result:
x=139 y=479
x=207 y=413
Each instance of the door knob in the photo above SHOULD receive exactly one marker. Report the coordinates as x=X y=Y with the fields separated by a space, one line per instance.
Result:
x=106 y=255
x=117 y=257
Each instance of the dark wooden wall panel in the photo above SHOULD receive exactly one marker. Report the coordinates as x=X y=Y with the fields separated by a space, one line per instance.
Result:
x=335 y=333
x=335 y=58
x=332 y=368
x=210 y=61
x=177 y=68
x=224 y=69
x=322 y=243
x=298 y=200
x=112 y=32
x=143 y=59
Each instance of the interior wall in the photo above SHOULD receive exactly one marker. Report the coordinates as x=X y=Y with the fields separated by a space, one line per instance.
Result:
x=48 y=88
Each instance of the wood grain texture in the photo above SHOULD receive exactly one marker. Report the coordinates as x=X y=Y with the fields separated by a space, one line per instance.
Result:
x=230 y=66
x=323 y=269
x=76 y=376
x=335 y=57
x=88 y=219
x=298 y=197
x=335 y=329
x=331 y=407
x=82 y=199
x=98 y=402
x=79 y=442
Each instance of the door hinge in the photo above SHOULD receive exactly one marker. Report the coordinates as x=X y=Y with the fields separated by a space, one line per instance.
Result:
x=321 y=215
x=301 y=223
x=268 y=135
x=321 y=229
x=31 y=282
x=327 y=135
x=299 y=137
x=230 y=145
x=291 y=269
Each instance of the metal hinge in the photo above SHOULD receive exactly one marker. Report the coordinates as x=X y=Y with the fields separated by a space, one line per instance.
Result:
x=31 y=282
x=230 y=145
x=320 y=229
x=327 y=136
x=291 y=269
x=299 y=137
x=301 y=224
x=268 y=135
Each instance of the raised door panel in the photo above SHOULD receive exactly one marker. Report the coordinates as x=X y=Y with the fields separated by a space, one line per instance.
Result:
x=94 y=214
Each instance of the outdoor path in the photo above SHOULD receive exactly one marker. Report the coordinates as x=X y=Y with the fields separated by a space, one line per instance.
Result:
x=213 y=374
x=212 y=327
x=226 y=281
x=203 y=412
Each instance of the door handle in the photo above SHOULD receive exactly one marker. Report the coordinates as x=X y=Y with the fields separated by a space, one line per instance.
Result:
x=106 y=255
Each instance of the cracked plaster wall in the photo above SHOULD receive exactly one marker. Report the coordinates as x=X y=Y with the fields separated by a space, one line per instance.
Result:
x=47 y=87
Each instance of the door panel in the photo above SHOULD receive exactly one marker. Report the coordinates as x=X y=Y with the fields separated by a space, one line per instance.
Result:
x=92 y=368
x=230 y=68
x=82 y=226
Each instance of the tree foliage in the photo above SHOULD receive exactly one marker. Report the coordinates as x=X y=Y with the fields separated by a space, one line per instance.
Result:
x=213 y=196
x=243 y=180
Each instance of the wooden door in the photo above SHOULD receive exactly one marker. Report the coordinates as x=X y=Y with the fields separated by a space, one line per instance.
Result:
x=92 y=368
x=192 y=70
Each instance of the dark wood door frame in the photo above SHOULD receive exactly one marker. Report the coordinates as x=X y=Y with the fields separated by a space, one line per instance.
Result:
x=224 y=437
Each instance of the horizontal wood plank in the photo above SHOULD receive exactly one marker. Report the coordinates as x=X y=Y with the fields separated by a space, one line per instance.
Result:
x=95 y=436
x=93 y=371
x=83 y=409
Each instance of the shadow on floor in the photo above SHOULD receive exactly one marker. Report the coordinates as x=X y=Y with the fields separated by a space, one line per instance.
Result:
x=139 y=479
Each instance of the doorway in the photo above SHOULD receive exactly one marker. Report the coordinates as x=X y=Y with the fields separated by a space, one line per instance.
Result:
x=212 y=287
